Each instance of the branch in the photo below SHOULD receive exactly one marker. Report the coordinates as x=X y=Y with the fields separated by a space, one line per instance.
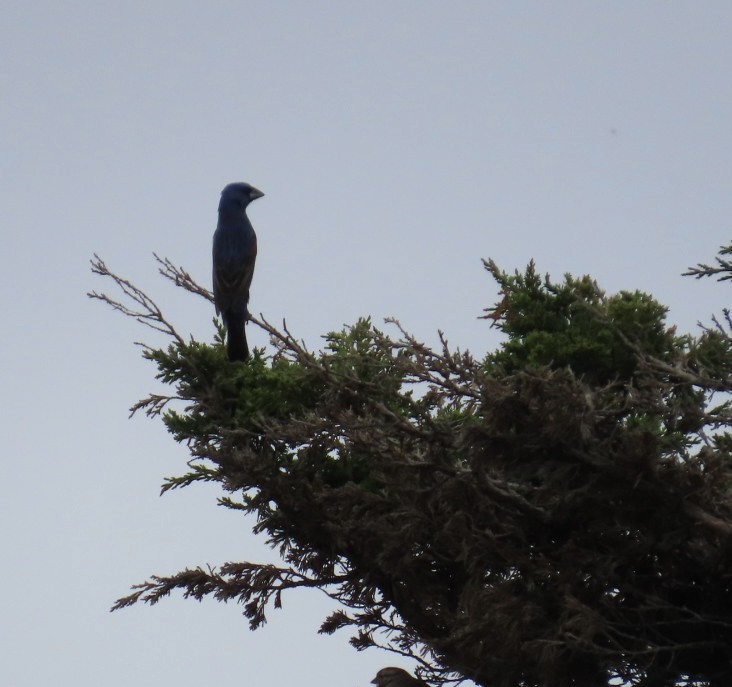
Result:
x=181 y=278
x=723 y=267
x=143 y=308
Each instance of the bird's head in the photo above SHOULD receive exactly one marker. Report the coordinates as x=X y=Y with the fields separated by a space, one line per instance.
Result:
x=395 y=677
x=238 y=195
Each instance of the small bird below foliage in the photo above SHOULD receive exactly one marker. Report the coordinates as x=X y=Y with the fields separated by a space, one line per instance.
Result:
x=234 y=255
x=396 y=677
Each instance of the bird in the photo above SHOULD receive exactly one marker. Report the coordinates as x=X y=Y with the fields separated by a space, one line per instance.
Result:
x=234 y=255
x=396 y=677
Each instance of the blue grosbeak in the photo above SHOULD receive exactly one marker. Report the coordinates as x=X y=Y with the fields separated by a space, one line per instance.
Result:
x=234 y=254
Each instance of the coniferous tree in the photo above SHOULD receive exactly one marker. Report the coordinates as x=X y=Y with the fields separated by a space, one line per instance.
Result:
x=558 y=513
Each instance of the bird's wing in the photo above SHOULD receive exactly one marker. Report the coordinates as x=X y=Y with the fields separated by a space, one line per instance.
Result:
x=233 y=269
x=232 y=280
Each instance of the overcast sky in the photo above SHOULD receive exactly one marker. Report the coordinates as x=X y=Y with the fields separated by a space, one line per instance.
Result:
x=397 y=143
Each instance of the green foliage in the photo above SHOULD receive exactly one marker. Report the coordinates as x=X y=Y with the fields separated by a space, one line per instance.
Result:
x=557 y=514
x=244 y=394
x=574 y=325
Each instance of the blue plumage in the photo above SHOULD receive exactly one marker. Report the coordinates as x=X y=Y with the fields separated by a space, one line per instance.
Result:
x=234 y=255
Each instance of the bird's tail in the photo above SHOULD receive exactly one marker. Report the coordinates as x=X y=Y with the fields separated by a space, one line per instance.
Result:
x=236 y=339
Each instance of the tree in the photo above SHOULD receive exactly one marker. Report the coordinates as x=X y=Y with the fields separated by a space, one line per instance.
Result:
x=556 y=514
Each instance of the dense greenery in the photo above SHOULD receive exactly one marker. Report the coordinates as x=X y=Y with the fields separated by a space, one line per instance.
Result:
x=556 y=514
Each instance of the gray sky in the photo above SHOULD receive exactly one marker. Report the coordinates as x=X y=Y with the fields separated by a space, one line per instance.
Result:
x=397 y=143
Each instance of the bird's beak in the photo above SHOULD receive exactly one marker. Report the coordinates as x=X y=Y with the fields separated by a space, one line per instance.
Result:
x=375 y=681
x=255 y=193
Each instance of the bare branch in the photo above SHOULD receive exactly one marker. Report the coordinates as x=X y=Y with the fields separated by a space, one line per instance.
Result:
x=139 y=305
